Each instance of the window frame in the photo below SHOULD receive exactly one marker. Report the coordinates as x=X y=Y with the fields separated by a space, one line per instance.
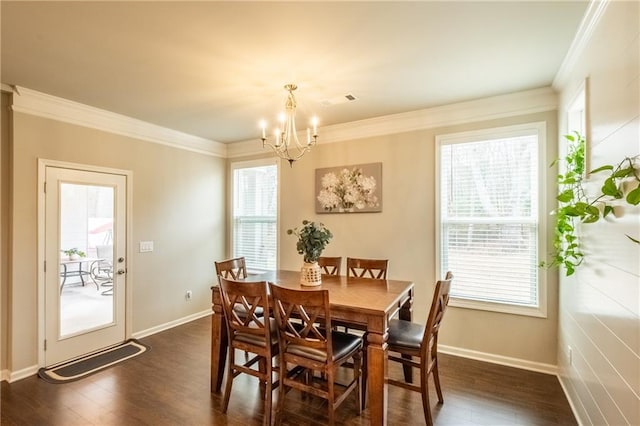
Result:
x=539 y=129
x=245 y=164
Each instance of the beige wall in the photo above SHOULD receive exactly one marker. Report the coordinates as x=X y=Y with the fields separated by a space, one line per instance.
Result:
x=600 y=304
x=405 y=233
x=178 y=202
x=4 y=225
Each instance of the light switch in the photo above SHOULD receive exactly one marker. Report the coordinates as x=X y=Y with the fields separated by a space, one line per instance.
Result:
x=146 y=246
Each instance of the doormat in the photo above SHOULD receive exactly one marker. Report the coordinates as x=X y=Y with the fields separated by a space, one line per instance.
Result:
x=90 y=364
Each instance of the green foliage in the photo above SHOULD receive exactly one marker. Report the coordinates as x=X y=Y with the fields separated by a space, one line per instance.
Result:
x=575 y=207
x=73 y=251
x=312 y=239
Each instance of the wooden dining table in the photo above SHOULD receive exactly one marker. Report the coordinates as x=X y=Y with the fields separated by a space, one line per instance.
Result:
x=361 y=303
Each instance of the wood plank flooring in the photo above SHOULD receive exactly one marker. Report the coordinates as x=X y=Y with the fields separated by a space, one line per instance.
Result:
x=169 y=385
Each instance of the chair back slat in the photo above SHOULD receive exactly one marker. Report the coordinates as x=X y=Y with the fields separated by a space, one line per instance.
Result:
x=367 y=268
x=235 y=269
x=330 y=265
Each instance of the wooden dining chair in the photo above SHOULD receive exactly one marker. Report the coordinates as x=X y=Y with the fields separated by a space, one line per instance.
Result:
x=414 y=340
x=235 y=269
x=252 y=333
x=367 y=268
x=330 y=265
x=307 y=342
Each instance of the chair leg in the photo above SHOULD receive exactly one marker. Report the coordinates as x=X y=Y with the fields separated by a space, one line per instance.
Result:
x=281 y=392
x=357 y=370
x=262 y=367
x=407 y=369
x=268 y=395
x=436 y=381
x=227 y=387
x=331 y=395
x=424 y=389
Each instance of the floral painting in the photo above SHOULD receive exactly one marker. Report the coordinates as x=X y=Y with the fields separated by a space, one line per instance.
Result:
x=345 y=189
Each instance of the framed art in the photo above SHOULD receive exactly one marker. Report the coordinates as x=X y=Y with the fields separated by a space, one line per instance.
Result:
x=349 y=189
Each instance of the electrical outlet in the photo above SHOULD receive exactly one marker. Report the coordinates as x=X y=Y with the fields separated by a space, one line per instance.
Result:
x=188 y=295
x=570 y=355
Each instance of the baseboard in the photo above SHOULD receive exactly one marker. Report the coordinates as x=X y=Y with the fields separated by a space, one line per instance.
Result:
x=4 y=375
x=571 y=402
x=171 y=324
x=13 y=376
x=499 y=359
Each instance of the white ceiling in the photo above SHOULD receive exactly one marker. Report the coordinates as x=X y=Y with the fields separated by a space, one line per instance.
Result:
x=214 y=69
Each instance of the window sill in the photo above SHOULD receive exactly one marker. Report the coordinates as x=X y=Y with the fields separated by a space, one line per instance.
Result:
x=530 y=311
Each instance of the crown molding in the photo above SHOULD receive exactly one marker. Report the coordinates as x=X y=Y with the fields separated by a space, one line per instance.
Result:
x=40 y=104
x=589 y=22
x=519 y=103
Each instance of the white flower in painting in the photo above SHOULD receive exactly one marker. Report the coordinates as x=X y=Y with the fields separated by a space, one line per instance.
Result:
x=347 y=190
x=330 y=180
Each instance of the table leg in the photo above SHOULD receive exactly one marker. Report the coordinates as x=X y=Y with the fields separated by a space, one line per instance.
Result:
x=377 y=374
x=64 y=277
x=219 y=342
x=406 y=314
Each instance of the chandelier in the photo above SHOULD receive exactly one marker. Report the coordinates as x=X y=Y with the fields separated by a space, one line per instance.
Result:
x=285 y=138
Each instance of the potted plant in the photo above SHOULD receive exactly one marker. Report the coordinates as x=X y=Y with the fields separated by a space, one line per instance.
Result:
x=313 y=237
x=74 y=253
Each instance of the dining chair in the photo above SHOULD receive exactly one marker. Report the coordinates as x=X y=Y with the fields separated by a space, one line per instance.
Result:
x=330 y=265
x=251 y=333
x=101 y=272
x=235 y=269
x=367 y=268
x=307 y=342
x=414 y=340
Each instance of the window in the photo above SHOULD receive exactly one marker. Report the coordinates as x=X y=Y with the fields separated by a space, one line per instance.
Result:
x=254 y=213
x=489 y=218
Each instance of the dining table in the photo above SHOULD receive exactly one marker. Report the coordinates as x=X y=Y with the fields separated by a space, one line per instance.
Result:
x=360 y=303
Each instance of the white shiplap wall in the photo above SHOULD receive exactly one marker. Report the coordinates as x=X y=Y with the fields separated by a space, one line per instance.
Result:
x=600 y=306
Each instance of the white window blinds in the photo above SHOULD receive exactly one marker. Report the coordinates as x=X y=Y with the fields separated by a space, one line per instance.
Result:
x=255 y=206
x=488 y=199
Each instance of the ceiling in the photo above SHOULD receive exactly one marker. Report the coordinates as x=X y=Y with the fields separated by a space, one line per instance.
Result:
x=214 y=69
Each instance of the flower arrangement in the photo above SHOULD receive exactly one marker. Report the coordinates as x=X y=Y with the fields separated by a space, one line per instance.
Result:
x=313 y=237
x=347 y=190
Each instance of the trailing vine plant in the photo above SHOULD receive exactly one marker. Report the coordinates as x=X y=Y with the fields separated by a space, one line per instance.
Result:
x=576 y=207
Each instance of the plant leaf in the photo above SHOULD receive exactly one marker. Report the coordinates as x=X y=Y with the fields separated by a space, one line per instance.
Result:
x=610 y=188
x=633 y=197
x=565 y=196
x=607 y=209
x=605 y=167
x=623 y=172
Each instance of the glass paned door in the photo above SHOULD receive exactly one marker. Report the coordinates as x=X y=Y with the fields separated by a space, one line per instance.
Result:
x=85 y=276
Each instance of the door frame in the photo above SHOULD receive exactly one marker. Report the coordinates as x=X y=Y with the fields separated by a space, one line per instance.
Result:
x=42 y=165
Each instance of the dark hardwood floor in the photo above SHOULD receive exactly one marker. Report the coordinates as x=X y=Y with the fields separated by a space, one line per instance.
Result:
x=169 y=385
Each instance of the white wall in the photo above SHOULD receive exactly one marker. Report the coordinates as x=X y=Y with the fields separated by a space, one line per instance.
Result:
x=600 y=304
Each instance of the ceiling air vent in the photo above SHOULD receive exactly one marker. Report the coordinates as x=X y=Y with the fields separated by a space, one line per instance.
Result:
x=343 y=99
